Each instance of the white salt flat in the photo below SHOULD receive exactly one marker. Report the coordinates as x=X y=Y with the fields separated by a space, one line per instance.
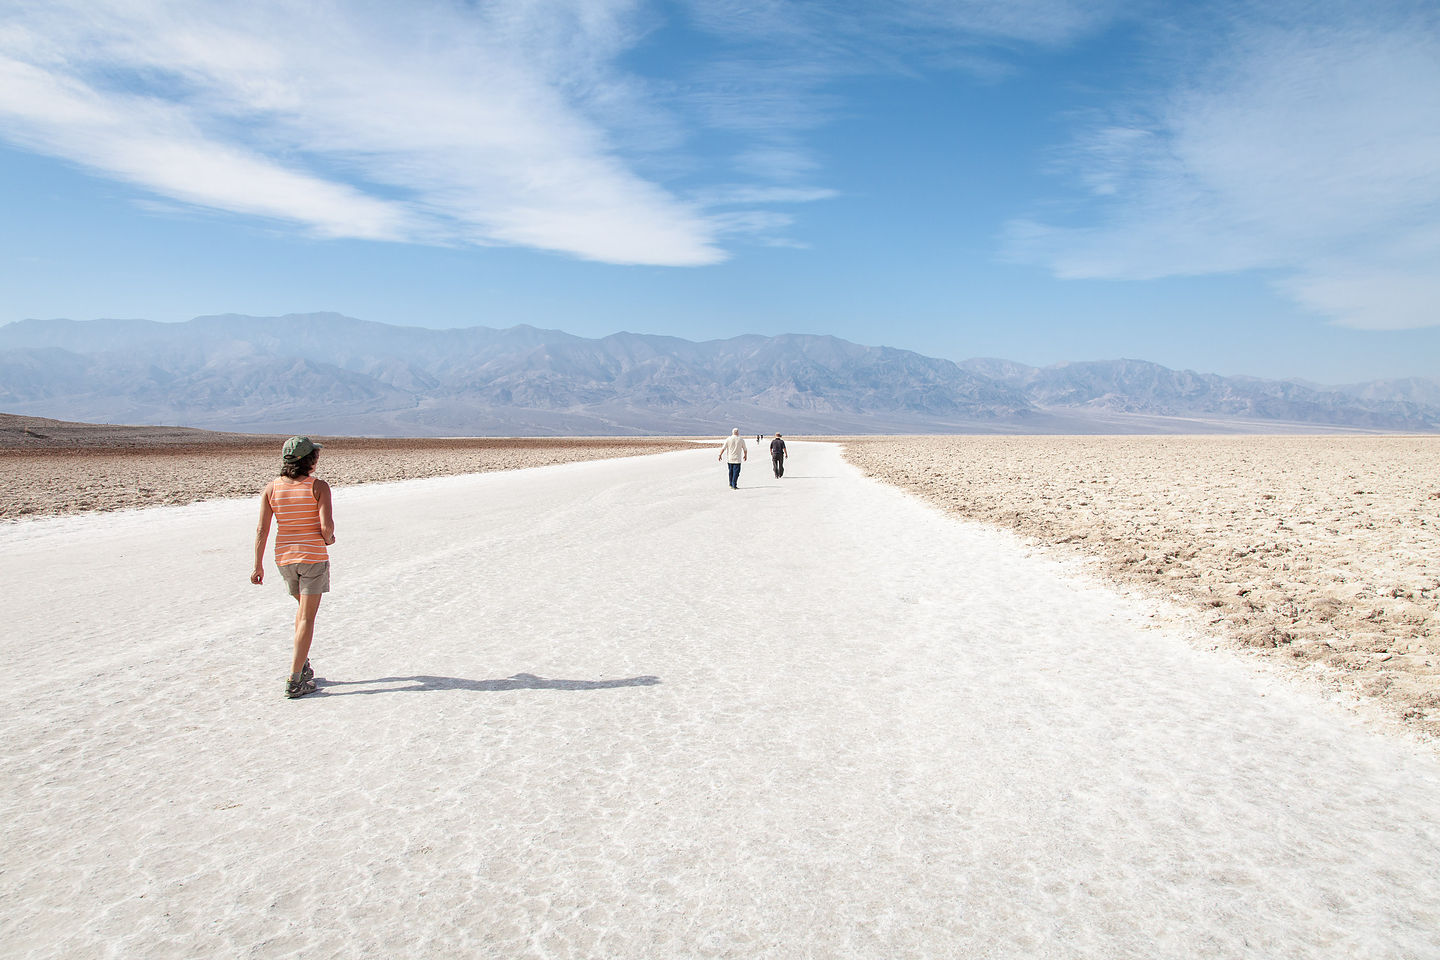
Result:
x=617 y=710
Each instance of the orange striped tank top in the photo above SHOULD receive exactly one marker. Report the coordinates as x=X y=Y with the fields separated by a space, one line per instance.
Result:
x=297 y=536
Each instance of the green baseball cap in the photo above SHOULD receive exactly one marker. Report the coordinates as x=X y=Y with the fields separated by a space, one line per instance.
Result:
x=298 y=448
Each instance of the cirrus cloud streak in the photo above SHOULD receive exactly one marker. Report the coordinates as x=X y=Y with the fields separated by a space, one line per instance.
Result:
x=430 y=123
x=1307 y=151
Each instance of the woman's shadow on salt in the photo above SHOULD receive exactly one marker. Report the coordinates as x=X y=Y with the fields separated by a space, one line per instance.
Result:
x=520 y=681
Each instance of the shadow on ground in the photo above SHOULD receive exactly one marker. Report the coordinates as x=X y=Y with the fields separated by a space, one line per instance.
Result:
x=520 y=681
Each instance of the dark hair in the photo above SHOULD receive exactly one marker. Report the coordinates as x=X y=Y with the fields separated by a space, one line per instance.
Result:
x=295 y=469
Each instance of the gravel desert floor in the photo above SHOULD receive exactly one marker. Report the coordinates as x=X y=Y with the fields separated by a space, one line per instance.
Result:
x=1319 y=553
x=51 y=467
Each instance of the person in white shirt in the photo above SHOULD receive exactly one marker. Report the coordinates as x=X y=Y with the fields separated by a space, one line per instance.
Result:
x=732 y=452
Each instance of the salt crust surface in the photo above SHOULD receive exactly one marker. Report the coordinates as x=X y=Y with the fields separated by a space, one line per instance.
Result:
x=618 y=710
x=1318 y=555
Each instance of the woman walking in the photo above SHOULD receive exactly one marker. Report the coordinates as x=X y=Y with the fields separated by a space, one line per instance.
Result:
x=300 y=504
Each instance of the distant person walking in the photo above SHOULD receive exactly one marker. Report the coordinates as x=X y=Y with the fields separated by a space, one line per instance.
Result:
x=300 y=504
x=777 y=456
x=732 y=452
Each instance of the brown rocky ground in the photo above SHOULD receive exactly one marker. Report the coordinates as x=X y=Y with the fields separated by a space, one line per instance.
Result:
x=50 y=467
x=1322 y=553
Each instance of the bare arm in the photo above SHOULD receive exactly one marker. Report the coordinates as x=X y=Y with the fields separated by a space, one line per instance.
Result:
x=262 y=536
x=327 y=511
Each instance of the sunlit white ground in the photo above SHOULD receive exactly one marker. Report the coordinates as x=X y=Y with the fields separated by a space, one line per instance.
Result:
x=617 y=710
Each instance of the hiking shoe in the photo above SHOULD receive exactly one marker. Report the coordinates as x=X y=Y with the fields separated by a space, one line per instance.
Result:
x=298 y=688
x=306 y=673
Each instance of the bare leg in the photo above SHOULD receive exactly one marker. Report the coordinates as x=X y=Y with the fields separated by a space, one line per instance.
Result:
x=304 y=630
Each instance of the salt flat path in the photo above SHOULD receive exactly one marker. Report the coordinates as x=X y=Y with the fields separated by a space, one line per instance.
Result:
x=616 y=710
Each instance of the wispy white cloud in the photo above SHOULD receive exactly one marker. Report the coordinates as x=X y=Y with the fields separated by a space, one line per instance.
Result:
x=1052 y=23
x=504 y=122
x=767 y=225
x=430 y=121
x=893 y=31
x=775 y=74
x=729 y=196
x=157 y=146
x=781 y=162
x=784 y=53
x=1308 y=150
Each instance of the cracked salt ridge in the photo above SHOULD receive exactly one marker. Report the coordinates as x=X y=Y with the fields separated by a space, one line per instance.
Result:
x=617 y=709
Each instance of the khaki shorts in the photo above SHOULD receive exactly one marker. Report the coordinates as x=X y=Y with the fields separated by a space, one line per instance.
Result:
x=307 y=578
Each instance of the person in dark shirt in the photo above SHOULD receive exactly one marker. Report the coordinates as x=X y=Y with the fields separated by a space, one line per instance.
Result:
x=778 y=455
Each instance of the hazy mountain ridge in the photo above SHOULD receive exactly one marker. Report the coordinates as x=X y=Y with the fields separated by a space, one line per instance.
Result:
x=1141 y=387
x=344 y=375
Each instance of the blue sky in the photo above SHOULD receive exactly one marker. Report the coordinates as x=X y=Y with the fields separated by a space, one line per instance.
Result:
x=1243 y=188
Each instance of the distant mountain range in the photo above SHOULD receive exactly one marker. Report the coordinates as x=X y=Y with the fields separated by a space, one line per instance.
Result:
x=326 y=373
